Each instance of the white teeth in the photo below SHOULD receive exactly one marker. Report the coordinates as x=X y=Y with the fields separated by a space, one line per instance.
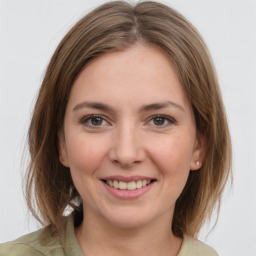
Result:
x=123 y=185
x=115 y=184
x=132 y=185
x=144 y=183
x=139 y=184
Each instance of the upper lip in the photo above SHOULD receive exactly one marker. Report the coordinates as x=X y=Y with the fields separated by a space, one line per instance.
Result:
x=127 y=179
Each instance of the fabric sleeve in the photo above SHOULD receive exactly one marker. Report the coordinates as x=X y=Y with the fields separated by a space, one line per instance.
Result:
x=18 y=249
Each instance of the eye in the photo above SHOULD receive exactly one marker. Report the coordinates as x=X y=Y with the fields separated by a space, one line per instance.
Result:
x=161 y=121
x=94 y=121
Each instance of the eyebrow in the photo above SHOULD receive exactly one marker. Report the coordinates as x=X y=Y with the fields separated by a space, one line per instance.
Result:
x=93 y=105
x=156 y=106
x=144 y=108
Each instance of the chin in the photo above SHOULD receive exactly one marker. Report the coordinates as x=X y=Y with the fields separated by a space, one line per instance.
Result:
x=131 y=223
x=129 y=218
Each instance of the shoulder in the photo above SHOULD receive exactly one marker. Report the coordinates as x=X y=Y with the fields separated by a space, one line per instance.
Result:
x=194 y=247
x=37 y=243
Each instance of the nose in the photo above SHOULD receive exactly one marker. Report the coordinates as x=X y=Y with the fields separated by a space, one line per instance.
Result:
x=127 y=147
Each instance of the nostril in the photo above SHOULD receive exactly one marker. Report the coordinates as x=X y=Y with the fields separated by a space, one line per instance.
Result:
x=126 y=155
x=124 y=164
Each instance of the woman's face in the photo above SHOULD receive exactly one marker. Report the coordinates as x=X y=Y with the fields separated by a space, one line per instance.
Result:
x=129 y=137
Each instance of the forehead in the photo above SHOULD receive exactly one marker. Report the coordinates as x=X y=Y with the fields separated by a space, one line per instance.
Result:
x=139 y=73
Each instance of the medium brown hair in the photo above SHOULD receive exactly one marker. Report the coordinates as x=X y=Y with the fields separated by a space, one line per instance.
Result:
x=111 y=27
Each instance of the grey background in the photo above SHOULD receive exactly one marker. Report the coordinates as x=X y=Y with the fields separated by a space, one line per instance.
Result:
x=30 y=31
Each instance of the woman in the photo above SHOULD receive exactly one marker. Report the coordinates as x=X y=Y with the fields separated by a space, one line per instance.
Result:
x=129 y=131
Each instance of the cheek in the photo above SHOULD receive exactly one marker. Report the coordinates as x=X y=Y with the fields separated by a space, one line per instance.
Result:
x=173 y=154
x=172 y=159
x=85 y=154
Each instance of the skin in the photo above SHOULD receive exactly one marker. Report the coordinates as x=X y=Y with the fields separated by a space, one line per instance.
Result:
x=128 y=141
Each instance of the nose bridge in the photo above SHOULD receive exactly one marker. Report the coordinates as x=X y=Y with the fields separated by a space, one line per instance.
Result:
x=127 y=146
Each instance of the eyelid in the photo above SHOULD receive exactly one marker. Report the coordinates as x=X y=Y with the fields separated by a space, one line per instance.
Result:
x=88 y=117
x=84 y=120
x=168 y=118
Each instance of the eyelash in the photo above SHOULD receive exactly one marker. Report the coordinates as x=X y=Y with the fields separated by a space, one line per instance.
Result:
x=86 y=119
x=90 y=117
x=166 y=118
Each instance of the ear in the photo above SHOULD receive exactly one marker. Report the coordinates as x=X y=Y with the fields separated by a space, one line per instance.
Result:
x=62 y=149
x=198 y=153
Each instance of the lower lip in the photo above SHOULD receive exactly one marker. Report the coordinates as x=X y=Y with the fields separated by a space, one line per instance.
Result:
x=128 y=194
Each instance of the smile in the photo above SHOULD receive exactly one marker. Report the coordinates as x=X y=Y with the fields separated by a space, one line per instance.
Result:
x=132 y=185
x=128 y=187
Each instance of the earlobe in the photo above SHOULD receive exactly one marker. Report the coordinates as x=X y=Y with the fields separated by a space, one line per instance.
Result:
x=62 y=150
x=195 y=165
x=198 y=154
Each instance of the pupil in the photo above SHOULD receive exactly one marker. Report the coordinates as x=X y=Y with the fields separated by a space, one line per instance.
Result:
x=96 y=121
x=159 y=121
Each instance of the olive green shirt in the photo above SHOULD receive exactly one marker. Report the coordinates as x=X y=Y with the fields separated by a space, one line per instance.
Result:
x=43 y=243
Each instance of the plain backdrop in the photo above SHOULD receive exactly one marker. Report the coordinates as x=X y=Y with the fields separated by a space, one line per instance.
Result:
x=30 y=31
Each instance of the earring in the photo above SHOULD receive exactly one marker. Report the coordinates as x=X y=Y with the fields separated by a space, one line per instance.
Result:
x=197 y=162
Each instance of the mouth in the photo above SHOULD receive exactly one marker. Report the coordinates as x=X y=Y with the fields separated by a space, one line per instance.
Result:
x=131 y=185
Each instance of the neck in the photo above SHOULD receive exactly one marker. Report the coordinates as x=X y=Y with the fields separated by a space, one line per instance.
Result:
x=101 y=238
